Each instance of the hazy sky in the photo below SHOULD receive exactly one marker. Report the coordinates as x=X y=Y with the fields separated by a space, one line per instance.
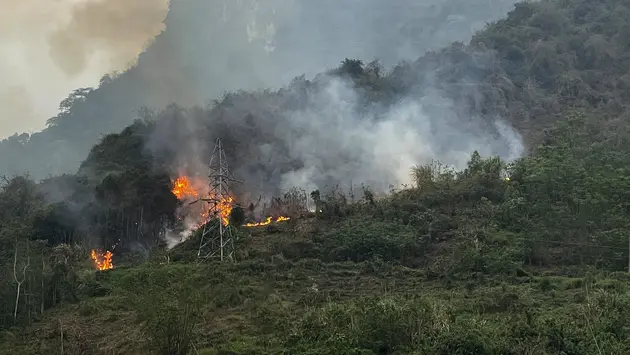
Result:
x=50 y=47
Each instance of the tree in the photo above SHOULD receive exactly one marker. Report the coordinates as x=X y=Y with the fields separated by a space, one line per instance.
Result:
x=237 y=216
x=23 y=267
x=351 y=67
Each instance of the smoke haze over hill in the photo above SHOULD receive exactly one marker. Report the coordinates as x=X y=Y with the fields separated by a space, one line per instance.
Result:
x=210 y=47
x=327 y=132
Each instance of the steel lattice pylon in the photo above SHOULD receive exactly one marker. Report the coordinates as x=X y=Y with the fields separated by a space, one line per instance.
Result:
x=217 y=239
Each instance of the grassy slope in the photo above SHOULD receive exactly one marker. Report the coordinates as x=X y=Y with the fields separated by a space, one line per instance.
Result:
x=271 y=303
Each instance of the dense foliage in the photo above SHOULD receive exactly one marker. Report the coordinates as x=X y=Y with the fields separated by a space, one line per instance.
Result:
x=521 y=258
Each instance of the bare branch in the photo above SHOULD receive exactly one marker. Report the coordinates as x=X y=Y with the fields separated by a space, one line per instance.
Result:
x=15 y=277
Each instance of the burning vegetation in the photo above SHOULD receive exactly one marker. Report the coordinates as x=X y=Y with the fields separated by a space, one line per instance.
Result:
x=192 y=190
x=182 y=188
x=268 y=221
x=102 y=260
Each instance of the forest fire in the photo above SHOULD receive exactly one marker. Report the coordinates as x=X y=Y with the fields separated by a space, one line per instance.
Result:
x=268 y=221
x=194 y=189
x=185 y=188
x=224 y=209
x=182 y=188
x=102 y=261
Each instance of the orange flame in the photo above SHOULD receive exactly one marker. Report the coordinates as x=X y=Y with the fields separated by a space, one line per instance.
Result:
x=102 y=261
x=224 y=209
x=219 y=207
x=268 y=221
x=182 y=188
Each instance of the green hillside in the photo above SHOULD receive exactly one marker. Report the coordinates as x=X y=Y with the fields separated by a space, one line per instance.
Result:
x=465 y=263
x=529 y=257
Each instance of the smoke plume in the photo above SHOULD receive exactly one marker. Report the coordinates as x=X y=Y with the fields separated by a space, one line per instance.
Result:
x=338 y=143
x=49 y=48
x=120 y=29
x=326 y=137
x=330 y=135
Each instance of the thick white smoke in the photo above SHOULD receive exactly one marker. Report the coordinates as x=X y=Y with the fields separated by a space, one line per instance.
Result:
x=340 y=142
x=330 y=136
x=333 y=138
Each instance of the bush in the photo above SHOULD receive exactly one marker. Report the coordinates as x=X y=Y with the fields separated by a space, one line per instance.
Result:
x=169 y=309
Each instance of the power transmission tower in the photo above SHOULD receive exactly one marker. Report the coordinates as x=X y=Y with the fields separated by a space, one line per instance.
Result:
x=217 y=239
